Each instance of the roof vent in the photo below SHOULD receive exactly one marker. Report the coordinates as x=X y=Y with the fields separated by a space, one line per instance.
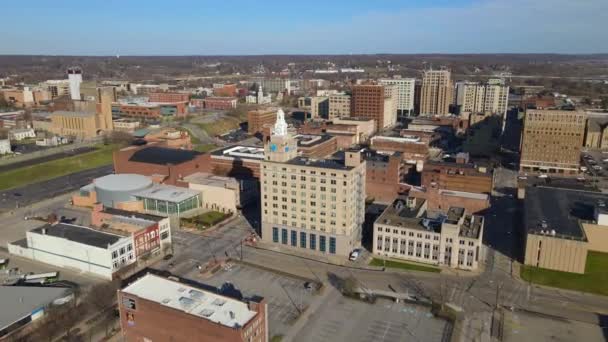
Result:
x=166 y=301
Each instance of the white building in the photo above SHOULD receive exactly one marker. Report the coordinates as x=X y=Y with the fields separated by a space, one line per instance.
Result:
x=404 y=92
x=52 y=141
x=408 y=230
x=475 y=97
x=5 y=146
x=217 y=192
x=21 y=133
x=75 y=79
x=77 y=247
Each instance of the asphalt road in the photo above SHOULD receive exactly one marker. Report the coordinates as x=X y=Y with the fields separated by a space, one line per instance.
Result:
x=18 y=197
x=50 y=157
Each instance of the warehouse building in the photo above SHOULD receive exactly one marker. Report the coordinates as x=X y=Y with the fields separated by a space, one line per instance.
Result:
x=154 y=308
x=562 y=225
x=77 y=247
x=21 y=305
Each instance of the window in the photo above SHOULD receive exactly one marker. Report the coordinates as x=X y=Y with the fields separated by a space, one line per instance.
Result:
x=122 y=250
x=114 y=255
x=313 y=241
x=163 y=236
x=322 y=243
x=275 y=234
x=332 y=245
x=294 y=238
x=302 y=240
x=284 y=236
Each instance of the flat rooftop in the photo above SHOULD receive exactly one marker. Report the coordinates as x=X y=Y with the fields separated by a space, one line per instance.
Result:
x=322 y=163
x=240 y=151
x=18 y=302
x=561 y=210
x=311 y=140
x=79 y=234
x=409 y=212
x=132 y=214
x=205 y=178
x=167 y=193
x=195 y=301
x=163 y=155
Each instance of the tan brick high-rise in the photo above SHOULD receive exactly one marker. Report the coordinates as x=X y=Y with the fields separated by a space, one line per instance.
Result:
x=437 y=92
x=552 y=141
x=310 y=205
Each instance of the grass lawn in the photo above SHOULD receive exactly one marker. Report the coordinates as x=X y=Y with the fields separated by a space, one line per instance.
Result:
x=221 y=126
x=56 y=168
x=404 y=265
x=205 y=147
x=594 y=280
x=205 y=220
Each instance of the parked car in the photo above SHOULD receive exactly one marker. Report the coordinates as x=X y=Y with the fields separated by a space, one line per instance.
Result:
x=354 y=255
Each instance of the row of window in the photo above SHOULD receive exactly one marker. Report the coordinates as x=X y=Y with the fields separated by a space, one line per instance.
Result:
x=306 y=240
x=419 y=236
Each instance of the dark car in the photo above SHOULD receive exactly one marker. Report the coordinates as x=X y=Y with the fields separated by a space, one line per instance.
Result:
x=168 y=256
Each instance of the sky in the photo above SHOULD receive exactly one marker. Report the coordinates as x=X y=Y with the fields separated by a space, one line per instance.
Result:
x=246 y=27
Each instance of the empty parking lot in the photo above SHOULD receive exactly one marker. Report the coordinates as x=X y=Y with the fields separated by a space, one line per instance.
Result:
x=344 y=319
x=286 y=296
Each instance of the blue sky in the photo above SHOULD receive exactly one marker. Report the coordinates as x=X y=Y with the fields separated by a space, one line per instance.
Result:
x=235 y=27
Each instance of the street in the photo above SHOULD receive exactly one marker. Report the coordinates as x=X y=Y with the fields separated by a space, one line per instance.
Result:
x=36 y=192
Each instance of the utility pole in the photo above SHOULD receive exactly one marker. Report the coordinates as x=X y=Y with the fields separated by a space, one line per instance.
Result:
x=241 y=249
x=498 y=288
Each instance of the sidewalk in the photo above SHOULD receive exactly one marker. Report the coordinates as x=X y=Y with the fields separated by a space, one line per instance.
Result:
x=312 y=309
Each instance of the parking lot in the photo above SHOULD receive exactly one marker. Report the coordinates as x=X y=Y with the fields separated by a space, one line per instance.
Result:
x=527 y=327
x=25 y=266
x=344 y=319
x=286 y=296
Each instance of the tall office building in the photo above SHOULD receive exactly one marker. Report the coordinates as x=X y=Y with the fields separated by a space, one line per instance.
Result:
x=475 y=97
x=319 y=107
x=552 y=141
x=405 y=94
x=339 y=106
x=375 y=101
x=75 y=79
x=436 y=93
x=310 y=205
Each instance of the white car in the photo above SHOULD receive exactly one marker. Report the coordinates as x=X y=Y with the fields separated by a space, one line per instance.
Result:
x=354 y=255
x=543 y=176
x=597 y=167
x=583 y=168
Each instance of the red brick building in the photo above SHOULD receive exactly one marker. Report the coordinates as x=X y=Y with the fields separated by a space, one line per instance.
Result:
x=384 y=176
x=457 y=176
x=439 y=199
x=367 y=101
x=226 y=90
x=256 y=119
x=220 y=103
x=154 y=308
x=168 y=97
x=412 y=147
x=316 y=146
x=164 y=165
x=140 y=110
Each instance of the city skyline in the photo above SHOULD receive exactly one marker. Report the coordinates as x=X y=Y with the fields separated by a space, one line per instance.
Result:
x=202 y=28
